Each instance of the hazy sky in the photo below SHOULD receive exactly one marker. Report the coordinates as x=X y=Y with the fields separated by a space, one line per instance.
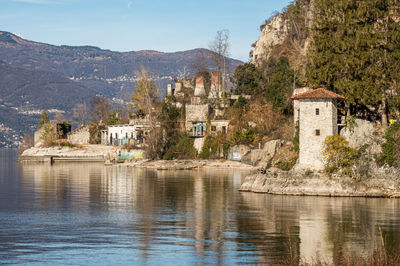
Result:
x=132 y=25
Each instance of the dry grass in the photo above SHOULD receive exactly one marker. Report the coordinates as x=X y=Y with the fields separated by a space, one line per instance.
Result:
x=285 y=158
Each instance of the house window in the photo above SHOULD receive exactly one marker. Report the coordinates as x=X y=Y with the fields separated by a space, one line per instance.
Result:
x=213 y=128
x=317 y=111
x=317 y=132
x=224 y=129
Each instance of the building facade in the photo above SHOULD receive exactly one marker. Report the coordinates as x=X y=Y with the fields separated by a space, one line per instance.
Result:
x=79 y=136
x=133 y=133
x=317 y=118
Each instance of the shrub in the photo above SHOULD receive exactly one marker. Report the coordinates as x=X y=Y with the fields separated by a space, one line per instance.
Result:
x=391 y=146
x=286 y=157
x=338 y=155
x=48 y=134
x=213 y=147
x=247 y=136
x=184 y=149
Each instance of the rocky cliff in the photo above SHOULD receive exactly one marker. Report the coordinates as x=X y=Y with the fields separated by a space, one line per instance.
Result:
x=285 y=33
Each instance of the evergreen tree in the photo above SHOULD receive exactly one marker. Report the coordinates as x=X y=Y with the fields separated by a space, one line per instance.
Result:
x=247 y=79
x=278 y=82
x=44 y=119
x=355 y=50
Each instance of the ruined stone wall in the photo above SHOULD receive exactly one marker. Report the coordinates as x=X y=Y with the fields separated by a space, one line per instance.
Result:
x=195 y=113
x=216 y=85
x=79 y=136
x=326 y=122
x=199 y=89
x=219 y=125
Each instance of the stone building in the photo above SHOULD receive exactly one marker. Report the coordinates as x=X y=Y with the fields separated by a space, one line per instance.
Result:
x=133 y=133
x=169 y=90
x=196 y=119
x=178 y=93
x=216 y=86
x=296 y=103
x=219 y=126
x=79 y=136
x=59 y=132
x=121 y=135
x=199 y=88
x=317 y=117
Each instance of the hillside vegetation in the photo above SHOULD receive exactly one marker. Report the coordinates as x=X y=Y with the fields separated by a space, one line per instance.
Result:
x=349 y=47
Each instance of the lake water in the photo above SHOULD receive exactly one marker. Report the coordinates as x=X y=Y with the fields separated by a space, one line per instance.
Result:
x=87 y=213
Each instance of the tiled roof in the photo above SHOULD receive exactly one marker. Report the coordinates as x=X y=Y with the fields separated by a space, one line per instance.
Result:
x=320 y=93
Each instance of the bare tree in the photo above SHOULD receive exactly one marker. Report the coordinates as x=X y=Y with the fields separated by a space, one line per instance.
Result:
x=81 y=113
x=220 y=48
x=146 y=94
x=145 y=100
x=100 y=107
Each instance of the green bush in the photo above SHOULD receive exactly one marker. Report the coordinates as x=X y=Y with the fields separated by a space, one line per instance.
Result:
x=338 y=155
x=245 y=137
x=184 y=149
x=391 y=146
x=286 y=164
x=214 y=146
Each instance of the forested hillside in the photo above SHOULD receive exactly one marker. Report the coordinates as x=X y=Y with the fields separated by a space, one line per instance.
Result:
x=349 y=47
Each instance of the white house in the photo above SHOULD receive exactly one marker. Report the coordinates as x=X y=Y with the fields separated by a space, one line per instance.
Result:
x=133 y=133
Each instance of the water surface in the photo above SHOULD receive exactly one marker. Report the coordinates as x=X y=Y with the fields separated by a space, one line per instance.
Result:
x=87 y=213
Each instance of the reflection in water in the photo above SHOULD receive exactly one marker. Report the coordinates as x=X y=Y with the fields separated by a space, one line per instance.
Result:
x=89 y=213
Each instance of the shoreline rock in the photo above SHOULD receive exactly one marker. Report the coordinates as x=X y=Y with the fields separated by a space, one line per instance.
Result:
x=319 y=184
x=189 y=164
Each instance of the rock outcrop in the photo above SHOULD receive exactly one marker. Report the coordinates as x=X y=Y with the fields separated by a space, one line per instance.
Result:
x=319 y=184
x=287 y=27
x=363 y=133
x=263 y=157
x=274 y=33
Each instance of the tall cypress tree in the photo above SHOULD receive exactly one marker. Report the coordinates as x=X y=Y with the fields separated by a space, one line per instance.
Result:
x=354 y=49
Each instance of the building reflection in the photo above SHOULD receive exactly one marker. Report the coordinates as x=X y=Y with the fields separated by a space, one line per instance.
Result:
x=202 y=213
x=321 y=227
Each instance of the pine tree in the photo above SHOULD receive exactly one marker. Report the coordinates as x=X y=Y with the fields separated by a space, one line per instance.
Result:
x=44 y=119
x=354 y=49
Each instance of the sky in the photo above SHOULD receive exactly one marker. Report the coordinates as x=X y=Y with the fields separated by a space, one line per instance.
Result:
x=133 y=25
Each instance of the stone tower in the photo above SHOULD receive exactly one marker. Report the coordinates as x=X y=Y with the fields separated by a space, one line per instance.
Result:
x=169 y=90
x=216 y=85
x=316 y=115
x=199 y=89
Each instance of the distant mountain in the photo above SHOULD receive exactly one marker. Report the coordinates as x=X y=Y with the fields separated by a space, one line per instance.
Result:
x=21 y=88
x=109 y=73
x=37 y=76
